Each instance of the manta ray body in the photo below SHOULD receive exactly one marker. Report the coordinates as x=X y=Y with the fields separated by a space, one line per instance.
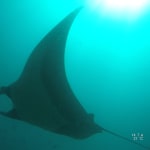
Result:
x=42 y=95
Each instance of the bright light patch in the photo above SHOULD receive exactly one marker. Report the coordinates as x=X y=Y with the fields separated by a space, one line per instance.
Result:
x=119 y=8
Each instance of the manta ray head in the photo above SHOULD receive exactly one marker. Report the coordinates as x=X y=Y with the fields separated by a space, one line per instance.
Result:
x=4 y=90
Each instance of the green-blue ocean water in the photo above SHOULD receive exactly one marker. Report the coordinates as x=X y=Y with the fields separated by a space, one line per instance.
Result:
x=107 y=65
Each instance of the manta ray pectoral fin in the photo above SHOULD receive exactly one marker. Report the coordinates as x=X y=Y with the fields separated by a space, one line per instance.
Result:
x=11 y=114
x=91 y=116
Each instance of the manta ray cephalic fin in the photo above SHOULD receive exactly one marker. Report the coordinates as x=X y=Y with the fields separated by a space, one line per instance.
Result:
x=11 y=114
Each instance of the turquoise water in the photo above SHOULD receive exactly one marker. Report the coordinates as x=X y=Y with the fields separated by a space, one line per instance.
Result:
x=107 y=65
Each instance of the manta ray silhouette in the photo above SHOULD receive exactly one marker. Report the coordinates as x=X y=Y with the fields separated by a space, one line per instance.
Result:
x=42 y=95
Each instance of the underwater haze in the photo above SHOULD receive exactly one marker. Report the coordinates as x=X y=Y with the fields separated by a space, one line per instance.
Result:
x=107 y=64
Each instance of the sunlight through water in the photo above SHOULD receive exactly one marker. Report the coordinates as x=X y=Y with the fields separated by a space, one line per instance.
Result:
x=129 y=9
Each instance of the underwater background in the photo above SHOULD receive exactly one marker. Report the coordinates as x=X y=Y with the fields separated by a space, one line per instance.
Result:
x=107 y=64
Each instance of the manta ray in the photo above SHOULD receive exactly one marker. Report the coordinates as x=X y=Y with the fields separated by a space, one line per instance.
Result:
x=42 y=95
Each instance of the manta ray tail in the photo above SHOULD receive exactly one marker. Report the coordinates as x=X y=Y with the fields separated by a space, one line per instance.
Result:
x=127 y=139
